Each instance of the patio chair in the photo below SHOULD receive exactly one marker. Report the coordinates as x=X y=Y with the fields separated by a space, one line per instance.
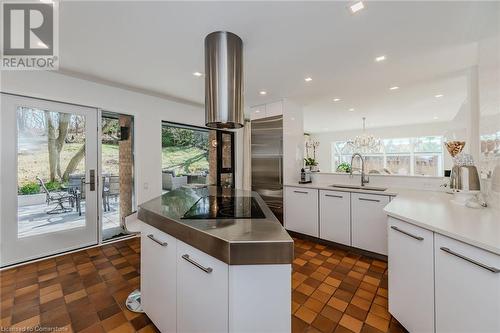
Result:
x=75 y=190
x=110 y=189
x=59 y=198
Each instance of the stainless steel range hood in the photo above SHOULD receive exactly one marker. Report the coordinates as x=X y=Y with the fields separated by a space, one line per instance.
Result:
x=223 y=80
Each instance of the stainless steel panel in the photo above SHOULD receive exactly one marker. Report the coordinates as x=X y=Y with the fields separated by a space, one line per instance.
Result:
x=267 y=162
x=223 y=80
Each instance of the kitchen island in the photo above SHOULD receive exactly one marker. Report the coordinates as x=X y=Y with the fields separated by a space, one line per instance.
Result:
x=215 y=260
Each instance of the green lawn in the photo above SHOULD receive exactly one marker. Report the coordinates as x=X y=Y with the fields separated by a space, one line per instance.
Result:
x=185 y=160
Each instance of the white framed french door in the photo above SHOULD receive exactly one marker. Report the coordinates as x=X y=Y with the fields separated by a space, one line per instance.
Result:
x=48 y=178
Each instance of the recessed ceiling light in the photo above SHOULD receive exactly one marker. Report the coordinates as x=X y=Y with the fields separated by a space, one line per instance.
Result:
x=394 y=88
x=438 y=95
x=435 y=117
x=351 y=109
x=308 y=79
x=336 y=99
x=198 y=74
x=380 y=58
x=357 y=7
x=257 y=111
x=263 y=92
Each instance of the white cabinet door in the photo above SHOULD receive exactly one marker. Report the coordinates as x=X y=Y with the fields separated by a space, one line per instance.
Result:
x=301 y=210
x=411 y=276
x=467 y=287
x=158 y=278
x=202 y=292
x=257 y=112
x=369 y=222
x=335 y=216
x=274 y=109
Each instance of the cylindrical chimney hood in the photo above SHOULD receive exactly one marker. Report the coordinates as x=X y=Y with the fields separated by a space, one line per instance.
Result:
x=223 y=80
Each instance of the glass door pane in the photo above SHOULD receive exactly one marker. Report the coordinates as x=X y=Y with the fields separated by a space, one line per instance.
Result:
x=49 y=173
x=117 y=160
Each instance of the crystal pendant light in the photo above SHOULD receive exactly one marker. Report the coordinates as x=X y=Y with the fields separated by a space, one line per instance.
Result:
x=364 y=143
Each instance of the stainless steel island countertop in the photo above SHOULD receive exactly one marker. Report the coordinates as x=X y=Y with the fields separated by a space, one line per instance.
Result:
x=240 y=241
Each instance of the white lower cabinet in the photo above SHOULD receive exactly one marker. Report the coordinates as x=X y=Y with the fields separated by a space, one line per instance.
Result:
x=202 y=292
x=467 y=288
x=411 y=276
x=301 y=211
x=158 y=278
x=368 y=222
x=335 y=216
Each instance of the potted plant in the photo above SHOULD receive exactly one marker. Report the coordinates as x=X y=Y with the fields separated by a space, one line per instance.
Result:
x=311 y=163
x=344 y=167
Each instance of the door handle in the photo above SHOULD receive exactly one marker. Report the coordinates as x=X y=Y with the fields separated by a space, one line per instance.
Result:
x=333 y=196
x=91 y=181
x=366 y=199
x=407 y=233
x=191 y=261
x=472 y=261
x=150 y=236
x=301 y=192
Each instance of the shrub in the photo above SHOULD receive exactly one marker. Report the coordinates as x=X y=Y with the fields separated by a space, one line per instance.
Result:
x=344 y=167
x=29 y=188
x=53 y=186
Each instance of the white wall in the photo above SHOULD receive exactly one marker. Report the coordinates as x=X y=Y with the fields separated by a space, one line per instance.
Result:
x=148 y=112
x=293 y=141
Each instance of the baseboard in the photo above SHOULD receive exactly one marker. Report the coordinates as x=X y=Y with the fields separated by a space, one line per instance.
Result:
x=362 y=252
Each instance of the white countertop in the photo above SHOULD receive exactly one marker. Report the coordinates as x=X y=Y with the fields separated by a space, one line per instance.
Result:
x=389 y=191
x=434 y=211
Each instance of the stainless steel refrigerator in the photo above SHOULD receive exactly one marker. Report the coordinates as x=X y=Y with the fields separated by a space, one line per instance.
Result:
x=267 y=162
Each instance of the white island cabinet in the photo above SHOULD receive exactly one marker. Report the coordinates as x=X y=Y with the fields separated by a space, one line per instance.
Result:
x=369 y=231
x=185 y=290
x=158 y=254
x=301 y=210
x=411 y=276
x=202 y=289
x=467 y=288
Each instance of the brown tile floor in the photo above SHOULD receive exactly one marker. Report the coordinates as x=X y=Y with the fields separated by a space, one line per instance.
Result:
x=80 y=292
x=339 y=291
x=333 y=291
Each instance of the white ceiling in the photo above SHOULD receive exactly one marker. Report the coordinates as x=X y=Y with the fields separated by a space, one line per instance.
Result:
x=156 y=46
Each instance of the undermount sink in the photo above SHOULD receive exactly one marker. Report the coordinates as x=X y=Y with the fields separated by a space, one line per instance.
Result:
x=357 y=187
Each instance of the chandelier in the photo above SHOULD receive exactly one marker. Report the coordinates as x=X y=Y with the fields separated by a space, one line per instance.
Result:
x=364 y=143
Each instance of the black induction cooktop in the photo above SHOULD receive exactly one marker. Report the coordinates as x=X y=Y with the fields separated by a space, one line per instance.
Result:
x=225 y=207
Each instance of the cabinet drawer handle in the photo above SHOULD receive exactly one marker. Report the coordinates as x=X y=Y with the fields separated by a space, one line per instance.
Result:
x=407 y=233
x=333 y=196
x=472 y=261
x=301 y=192
x=365 y=199
x=150 y=236
x=188 y=259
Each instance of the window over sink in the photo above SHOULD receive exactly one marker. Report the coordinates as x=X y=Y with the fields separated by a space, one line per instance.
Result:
x=417 y=156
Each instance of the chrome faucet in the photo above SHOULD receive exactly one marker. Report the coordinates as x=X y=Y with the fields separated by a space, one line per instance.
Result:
x=364 y=178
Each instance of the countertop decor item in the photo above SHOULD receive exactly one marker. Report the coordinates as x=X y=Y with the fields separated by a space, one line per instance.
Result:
x=464 y=180
x=454 y=147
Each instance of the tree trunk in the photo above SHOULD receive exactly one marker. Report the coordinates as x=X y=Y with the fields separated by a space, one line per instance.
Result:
x=73 y=163
x=52 y=146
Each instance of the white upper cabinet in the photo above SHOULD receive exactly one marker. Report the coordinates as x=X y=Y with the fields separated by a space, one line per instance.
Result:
x=369 y=230
x=301 y=210
x=202 y=292
x=257 y=112
x=274 y=109
x=411 y=276
x=467 y=287
x=335 y=216
x=266 y=110
x=158 y=262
